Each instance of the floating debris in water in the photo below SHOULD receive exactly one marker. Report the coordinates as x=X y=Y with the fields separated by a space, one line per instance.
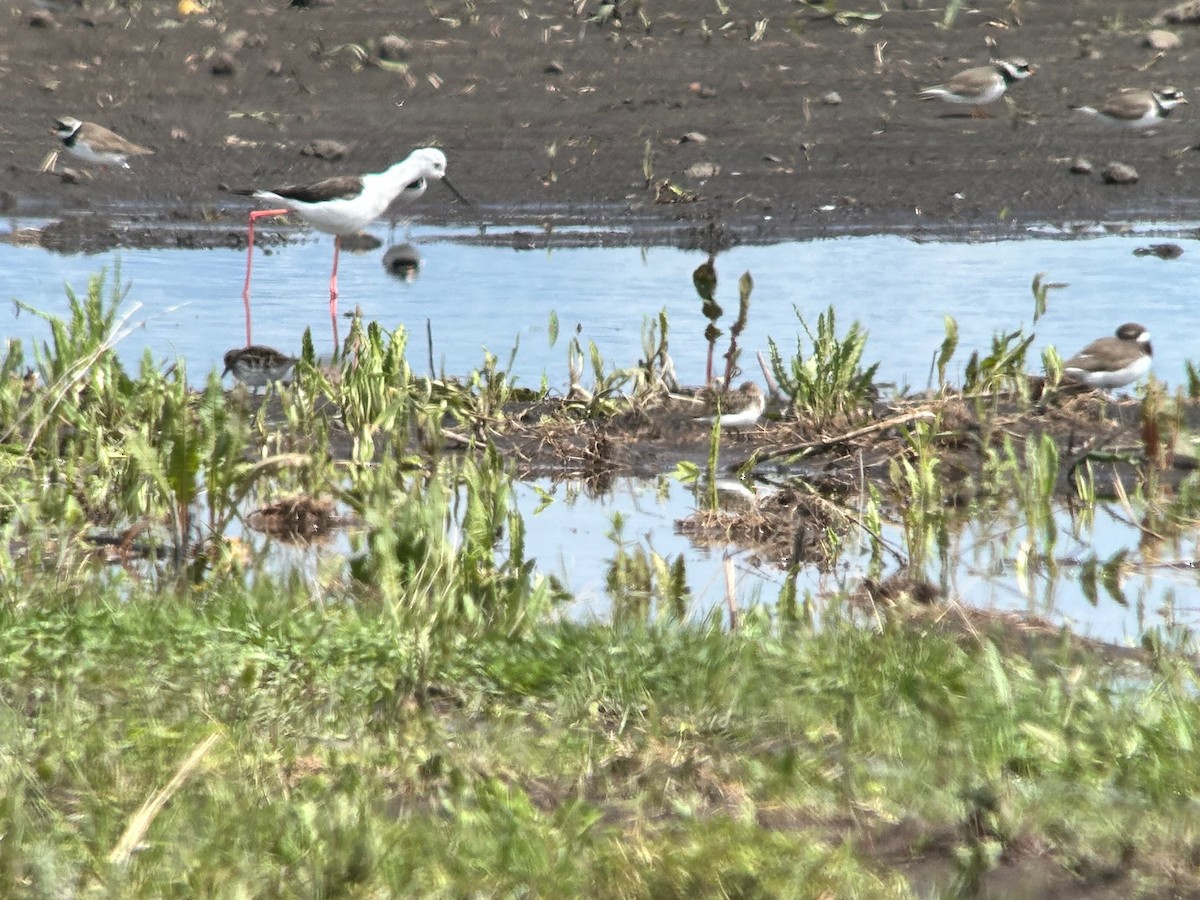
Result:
x=1162 y=251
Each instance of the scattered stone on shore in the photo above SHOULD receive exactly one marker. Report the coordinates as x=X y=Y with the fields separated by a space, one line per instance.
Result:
x=703 y=170
x=1080 y=166
x=554 y=67
x=323 y=148
x=693 y=137
x=833 y=98
x=223 y=64
x=1187 y=13
x=41 y=18
x=1119 y=173
x=1162 y=40
x=394 y=48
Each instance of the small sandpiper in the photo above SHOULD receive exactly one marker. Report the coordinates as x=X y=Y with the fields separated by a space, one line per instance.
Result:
x=257 y=366
x=741 y=408
x=981 y=85
x=1112 y=362
x=95 y=144
x=1136 y=109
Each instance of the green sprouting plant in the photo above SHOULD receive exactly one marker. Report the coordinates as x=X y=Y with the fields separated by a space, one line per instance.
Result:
x=605 y=397
x=1193 y=380
x=828 y=381
x=711 y=464
x=950 y=13
x=84 y=381
x=658 y=370
x=1003 y=369
x=375 y=390
x=640 y=582
x=1041 y=294
x=915 y=475
x=1052 y=365
x=946 y=350
x=745 y=286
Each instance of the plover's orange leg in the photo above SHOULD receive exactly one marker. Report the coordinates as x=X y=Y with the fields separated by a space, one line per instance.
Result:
x=254 y=214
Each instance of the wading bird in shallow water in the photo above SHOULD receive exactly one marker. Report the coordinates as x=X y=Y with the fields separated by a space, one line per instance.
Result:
x=1136 y=109
x=741 y=408
x=979 y=86
x=1112 y=362
x=345 y=205
x=95 y=144
x=257 y=366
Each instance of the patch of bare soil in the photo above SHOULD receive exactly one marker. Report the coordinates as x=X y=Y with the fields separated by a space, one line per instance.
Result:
x=773 y=119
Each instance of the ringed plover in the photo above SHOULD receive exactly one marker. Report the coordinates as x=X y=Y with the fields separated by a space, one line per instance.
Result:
x=981 y=85
x=1136 y=109
x=95 y=144
x=1112 y=362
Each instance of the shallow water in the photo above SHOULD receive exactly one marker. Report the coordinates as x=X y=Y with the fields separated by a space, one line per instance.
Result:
x=484 y=296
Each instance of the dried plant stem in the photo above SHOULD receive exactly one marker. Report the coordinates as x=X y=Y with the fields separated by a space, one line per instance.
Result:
x=731 y=592
x=144 y=817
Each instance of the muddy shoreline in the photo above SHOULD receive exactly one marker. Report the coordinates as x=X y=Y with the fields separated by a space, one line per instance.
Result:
x=798 y=124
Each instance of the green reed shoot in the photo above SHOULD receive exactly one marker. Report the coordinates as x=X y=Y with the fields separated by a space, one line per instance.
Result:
x=745 y=286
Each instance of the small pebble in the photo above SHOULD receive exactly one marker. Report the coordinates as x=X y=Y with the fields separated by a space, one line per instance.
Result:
x=394 y=48
x=833 y=98
x=554 y=67
x=324 y=149
x=703 y=170
x=693 y=137
x=223 y=64
x=235 y=40
x=1119 y=173
x=1081 y=166
x=1162 y=40
x=40 y=18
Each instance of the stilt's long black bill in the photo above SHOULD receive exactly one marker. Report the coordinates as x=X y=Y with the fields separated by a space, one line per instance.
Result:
x=455 y=192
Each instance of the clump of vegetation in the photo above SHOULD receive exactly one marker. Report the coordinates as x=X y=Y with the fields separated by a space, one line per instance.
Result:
x=826 y=382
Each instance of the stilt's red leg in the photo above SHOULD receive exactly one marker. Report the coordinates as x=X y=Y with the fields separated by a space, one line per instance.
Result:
x=333 y=295
x=255 y=214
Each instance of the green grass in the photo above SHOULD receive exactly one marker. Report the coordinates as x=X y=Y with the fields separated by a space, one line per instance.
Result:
x=572 y=760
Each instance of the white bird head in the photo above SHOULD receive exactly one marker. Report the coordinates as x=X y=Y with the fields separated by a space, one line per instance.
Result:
x=429 y=162
x=66 y=126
